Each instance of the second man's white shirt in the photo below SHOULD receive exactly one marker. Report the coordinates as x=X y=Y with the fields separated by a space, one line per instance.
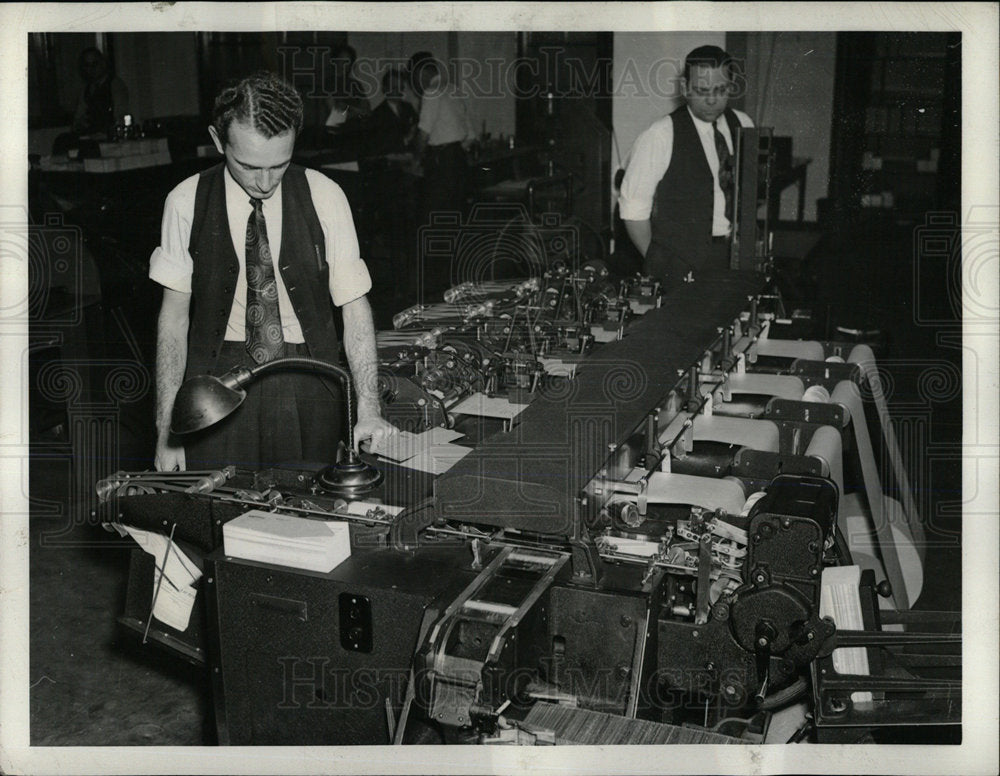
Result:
x=650 y=159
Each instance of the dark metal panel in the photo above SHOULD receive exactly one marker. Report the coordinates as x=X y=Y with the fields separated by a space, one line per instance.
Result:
x=529 y=478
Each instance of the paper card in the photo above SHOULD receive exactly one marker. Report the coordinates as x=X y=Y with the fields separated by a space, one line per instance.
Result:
x=440 y=436
x=490 y=407
x=424 y=463
x=180 y=569
x=438 y=459
x=173 y=605
x=399 y=446
x=638 y=547
x=406 y=444
x=119 y=528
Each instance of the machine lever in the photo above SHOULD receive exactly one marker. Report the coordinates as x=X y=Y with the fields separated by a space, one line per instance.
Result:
x=764 y=635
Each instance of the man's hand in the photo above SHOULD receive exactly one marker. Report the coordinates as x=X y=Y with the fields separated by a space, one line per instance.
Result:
x=359 y=344
x=373 y=427
x=169 y=457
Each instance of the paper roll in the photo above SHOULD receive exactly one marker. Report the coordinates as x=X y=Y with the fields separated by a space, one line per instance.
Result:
x=827 y=445
x=863 y=356
x=816 y=393
x=808 y=349
x=782 y=386
x=847 y=394
x=861 y=541
x=706 y=492
x=755 y=434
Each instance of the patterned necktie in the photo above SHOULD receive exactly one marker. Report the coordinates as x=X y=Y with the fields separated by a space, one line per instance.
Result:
x=725 y=169
x=263 y=323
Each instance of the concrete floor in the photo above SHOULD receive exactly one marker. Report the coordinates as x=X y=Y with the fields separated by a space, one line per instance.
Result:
x=92 y=684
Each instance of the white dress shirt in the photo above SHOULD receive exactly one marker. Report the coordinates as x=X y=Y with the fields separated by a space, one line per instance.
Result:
x=442 y=115
x=650 y=159
x=171 y=264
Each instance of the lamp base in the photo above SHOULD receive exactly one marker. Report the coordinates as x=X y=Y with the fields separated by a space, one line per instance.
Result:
x=350 y=477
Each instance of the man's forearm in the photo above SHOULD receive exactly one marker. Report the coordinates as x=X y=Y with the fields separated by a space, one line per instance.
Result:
x=641 y=234
x=171 y=360
x=362 y=356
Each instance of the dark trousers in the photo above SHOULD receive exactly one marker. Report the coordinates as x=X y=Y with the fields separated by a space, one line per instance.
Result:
x=671 y=263
x=287 y=418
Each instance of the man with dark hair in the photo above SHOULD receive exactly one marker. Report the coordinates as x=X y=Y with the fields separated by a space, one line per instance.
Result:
x=346 y=99
x=676 y=198
x=394 y=120
x=253 y=255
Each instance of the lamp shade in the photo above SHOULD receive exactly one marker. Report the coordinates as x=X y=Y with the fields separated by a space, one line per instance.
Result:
x=202 y=401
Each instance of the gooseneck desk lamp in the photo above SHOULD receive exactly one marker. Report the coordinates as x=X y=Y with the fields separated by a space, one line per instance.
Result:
x=204 y=400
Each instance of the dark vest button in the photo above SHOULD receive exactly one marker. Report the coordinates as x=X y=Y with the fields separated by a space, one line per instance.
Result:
x=214 y=353
x=232 y=270
x=227 y=289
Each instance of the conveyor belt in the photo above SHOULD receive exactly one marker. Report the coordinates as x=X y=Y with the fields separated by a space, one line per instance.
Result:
x=582 y=726
x=528 y=478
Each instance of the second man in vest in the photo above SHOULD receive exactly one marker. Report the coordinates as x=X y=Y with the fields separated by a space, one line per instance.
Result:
x=677 y=194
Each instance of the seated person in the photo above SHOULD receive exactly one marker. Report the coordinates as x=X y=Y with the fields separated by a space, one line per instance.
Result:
x=394 y=120
x=346 y=99
x=104 y=99
x=103 y=102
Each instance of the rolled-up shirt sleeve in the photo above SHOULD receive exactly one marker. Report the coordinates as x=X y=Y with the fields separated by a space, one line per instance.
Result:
x=349 y=277
x=647 y=165
x=171 y=264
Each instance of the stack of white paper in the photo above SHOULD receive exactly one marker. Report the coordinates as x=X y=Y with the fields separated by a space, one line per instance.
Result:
x=840 y=599
x=430 y=451
x=287 y=540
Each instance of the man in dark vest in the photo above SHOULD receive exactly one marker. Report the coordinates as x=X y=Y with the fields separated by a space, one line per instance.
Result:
x=254 y=254
x=677 y=194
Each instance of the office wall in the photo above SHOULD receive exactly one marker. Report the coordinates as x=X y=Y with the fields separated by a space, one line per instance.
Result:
x=790 y=88
x=160 y=70
x=645 y=88
x=495 y=105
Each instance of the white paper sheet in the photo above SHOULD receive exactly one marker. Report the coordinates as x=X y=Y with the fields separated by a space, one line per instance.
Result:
x=438 y=459
x=406 y=444
x=489 y=407
x=174 y=597
x=173 y=606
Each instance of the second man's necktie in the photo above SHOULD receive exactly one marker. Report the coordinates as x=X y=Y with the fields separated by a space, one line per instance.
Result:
x=263 y=322
x=725 y=169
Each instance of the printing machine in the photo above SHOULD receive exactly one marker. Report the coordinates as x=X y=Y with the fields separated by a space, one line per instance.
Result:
x=685 y=537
